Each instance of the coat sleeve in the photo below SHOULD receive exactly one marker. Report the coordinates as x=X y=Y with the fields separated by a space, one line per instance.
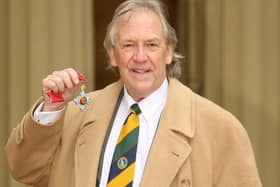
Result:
x=234 y=160
x=31 y=149
x=222 y=153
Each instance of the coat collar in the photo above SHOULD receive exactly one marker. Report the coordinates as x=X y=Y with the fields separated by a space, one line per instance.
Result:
x=180 y=103
x=170 y=147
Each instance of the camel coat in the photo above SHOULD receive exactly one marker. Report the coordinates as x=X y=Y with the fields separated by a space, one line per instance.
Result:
x=197 y=144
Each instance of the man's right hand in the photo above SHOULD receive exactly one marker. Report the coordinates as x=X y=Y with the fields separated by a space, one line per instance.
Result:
x=65 y=82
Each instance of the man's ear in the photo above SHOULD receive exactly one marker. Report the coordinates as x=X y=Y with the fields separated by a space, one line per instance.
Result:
x=169 y=55
x=111 y=54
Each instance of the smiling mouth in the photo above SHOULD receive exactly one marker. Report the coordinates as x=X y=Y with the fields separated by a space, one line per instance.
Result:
x=141 y=71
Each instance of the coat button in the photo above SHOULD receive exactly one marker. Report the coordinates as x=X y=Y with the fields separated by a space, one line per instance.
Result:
x=186 y=182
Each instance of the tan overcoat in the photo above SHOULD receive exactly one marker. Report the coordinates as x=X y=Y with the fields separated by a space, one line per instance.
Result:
x=197 y=144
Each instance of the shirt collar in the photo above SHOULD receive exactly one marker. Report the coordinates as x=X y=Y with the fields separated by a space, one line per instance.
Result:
x=152 y=103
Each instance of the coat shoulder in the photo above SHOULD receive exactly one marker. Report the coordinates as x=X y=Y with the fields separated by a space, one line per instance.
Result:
x=205 y=113
x=215 y=117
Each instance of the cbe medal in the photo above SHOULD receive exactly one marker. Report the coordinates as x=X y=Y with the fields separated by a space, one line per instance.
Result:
x=82 y=99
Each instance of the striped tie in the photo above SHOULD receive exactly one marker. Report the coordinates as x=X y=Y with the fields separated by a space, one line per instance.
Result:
x=123 y=162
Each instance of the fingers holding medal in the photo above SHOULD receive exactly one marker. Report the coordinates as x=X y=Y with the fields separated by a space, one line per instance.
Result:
x=60 y=87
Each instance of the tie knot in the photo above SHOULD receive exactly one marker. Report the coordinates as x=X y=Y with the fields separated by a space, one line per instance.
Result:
x=135 y=108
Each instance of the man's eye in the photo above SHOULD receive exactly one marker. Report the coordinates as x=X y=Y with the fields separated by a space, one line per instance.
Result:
x=128 y=45
x=152 y=45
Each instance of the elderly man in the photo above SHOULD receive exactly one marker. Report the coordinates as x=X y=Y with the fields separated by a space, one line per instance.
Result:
x=147 y=129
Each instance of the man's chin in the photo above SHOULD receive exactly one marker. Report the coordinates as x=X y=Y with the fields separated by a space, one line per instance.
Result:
x=139 y=93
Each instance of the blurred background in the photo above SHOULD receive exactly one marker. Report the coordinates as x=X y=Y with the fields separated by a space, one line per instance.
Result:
x=231 y=49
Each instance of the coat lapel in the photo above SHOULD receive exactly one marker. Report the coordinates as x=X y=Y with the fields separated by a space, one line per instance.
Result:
x=170 y=148
x=92 y=134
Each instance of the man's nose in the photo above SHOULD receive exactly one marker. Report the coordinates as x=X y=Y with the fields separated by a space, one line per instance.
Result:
x=140 y=54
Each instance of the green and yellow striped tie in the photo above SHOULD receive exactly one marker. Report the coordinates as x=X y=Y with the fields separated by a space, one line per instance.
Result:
x=123 y=162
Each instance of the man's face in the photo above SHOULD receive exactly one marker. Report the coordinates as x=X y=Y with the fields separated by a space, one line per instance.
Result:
x=141 y=53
